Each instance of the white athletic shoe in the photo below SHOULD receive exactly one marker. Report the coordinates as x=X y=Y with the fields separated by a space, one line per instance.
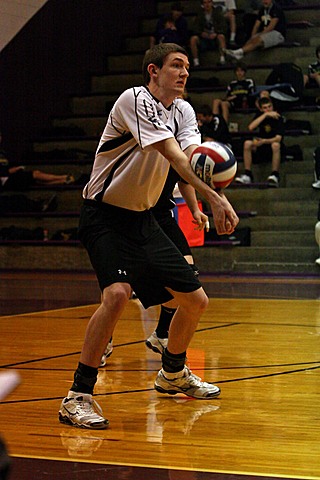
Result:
x=316 y=185
x=188 y=383
x=273 y=181
x=107 y=353
x=156 y=344
x=244 y=179
x=80 y=410
x=234 y=54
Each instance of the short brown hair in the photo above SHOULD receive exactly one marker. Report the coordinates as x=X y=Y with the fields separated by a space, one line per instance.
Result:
x=157 y=55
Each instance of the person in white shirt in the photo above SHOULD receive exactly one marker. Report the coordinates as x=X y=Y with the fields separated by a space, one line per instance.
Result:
x=148 y=129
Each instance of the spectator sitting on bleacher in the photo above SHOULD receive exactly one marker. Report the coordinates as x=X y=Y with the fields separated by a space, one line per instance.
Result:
x=18 y=178
x=312 y=78
x=268 y=143
x=269 y=30
x=171 y=28
x=238 y=95
x=228 y=8
x=212 y=127
x=316 y=156
x=266 y=94
x=209 y=30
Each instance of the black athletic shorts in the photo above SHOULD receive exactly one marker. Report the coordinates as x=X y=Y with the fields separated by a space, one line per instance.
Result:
x=170 y=227
x=129 y=246
x=263 y=154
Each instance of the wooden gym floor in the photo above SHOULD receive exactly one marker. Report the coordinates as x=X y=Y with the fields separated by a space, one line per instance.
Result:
x=259 y=341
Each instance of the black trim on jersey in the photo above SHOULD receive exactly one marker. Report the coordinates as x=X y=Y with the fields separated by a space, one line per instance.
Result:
x=176 y=126
x=115 y=143
x=158 y=101
x=99 y=196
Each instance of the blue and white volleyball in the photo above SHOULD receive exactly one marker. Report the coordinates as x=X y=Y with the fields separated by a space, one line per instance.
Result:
x=214 y=163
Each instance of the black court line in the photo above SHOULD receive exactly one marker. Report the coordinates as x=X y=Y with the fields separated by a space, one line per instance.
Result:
x=206 y=369
x=124 y=392
x=215 y=327
x=64 y=355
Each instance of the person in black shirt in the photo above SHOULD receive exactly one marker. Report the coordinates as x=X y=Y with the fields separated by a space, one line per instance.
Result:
x=266 y=144
x=238 y=95
x=213 y=127
x=268 y=31
x=171 y=27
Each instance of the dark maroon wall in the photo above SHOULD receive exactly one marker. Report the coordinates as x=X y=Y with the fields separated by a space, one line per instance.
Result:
x=52 y=58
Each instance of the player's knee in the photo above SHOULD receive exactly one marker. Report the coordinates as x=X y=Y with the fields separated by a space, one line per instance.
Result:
x=203 y=302
x=198 y=301
x=117 y=294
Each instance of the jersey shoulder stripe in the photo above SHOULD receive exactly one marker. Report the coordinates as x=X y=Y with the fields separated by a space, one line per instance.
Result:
x=115 y=142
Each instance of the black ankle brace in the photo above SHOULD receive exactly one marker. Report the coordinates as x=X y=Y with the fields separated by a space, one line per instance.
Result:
x=85 y=378
x=173 y=363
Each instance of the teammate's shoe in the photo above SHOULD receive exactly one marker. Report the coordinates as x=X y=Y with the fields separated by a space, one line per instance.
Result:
x=80 y=410
x=189 y=384
x=156 y=343
x=107 y=353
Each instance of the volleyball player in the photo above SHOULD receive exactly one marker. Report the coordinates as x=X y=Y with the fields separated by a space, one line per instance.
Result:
x=148 y=129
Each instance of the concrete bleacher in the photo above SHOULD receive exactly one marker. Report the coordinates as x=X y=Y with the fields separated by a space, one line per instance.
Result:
x=282 y=230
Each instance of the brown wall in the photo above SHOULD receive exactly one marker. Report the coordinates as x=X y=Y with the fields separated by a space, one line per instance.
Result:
x=52 y=58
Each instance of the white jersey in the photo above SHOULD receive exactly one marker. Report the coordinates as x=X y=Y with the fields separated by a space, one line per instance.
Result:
x=127 y=171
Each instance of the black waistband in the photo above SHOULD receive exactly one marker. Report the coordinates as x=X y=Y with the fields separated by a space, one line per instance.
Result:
x=107 y=207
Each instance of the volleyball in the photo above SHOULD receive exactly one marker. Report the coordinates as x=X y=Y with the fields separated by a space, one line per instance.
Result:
x=214 y=163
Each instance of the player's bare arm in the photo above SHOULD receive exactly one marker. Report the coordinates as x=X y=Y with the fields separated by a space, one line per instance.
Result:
x=189 y=194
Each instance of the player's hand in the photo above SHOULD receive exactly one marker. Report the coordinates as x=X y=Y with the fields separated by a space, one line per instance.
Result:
x=224 y=217
x=200 y=220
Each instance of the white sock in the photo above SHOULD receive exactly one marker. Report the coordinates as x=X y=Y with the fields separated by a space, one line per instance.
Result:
x=172 y=376
x=196 y=62
x=232 y=36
